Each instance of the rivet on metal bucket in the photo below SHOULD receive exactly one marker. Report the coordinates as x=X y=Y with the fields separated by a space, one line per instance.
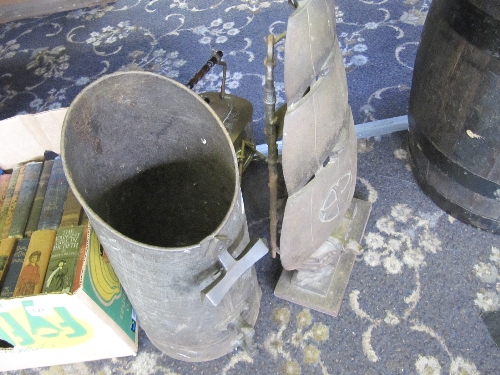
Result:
x=157 y=175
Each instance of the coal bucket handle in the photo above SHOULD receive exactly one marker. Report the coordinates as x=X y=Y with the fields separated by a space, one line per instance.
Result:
x=233 y=269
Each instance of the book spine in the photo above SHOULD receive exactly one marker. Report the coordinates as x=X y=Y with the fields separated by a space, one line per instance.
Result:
x=7 y=289
x=36 y=260
x=13 y=203
x=4 y=184
x=72 y=211
x=8 y=198
x=25 y=199
x=82 y=258
x=41 y=189
x=7 y=246
x=53 y=203
x=63 y=260
x=84 y=220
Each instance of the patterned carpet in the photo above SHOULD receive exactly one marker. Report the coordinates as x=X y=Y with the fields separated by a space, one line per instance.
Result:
x=417 y=292
x=45 y=62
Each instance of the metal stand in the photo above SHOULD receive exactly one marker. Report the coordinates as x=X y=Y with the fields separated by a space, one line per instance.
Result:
x=324 y=289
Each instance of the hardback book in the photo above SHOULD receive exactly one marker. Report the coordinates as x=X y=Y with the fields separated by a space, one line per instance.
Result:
x=36 y=260
x=9 y=284
x=25 y=199
x=8 y=198
x=53 y=203
x=82 y=258
x=84 y=219
x=4 y=184
x=13 y=203
x=63 y=260
x=41 y=189
x=72 y=211
x=7 y=246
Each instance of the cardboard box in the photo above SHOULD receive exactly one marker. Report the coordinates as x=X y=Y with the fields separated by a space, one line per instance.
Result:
x=95 y=322
x=11 y=10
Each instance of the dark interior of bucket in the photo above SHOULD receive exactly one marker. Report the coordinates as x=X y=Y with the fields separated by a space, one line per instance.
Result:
x=164 y=170
x=171 y=205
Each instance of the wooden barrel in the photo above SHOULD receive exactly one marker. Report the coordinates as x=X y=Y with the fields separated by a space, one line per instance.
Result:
x=454 y=110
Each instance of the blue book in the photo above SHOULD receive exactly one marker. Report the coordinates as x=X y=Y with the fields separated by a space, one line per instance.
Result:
x=41 y=189
x=25 y=199
x=9 y=284
x=53 y=203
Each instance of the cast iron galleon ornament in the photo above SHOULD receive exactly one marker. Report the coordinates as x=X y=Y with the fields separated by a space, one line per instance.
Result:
x=322 y=224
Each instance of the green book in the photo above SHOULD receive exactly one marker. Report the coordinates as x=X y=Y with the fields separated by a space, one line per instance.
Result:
x=4 y=184
x=9 y=203
x=25 y=199
x=63 y=260
x=9 y=285
x=72 y=211
x=84 y=220
x=7 y=197
x=53 y=203
x=41 y=189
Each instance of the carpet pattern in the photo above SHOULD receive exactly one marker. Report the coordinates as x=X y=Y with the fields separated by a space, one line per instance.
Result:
x=413 y=304
x=416 y=294
x=45 y=62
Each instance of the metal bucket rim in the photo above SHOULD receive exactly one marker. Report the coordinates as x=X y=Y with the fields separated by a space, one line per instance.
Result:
x=79 y=197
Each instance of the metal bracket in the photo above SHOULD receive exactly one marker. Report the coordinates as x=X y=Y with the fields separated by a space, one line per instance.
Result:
x=232 y=269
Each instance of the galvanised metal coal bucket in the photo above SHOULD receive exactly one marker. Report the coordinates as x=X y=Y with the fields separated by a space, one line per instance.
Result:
x=156 y=173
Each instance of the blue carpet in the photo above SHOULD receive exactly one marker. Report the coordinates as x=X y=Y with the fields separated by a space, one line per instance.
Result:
x=417 y=292
x=45 y=62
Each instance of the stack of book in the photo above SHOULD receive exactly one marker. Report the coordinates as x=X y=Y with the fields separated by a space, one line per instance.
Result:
x=41 y=225
x=43 y=231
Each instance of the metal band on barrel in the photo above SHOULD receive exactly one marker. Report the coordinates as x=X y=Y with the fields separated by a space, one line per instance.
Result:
x=474 y=25
x=456 y=172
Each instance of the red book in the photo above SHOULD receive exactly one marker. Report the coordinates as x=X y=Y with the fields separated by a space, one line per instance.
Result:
x=82 y=258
